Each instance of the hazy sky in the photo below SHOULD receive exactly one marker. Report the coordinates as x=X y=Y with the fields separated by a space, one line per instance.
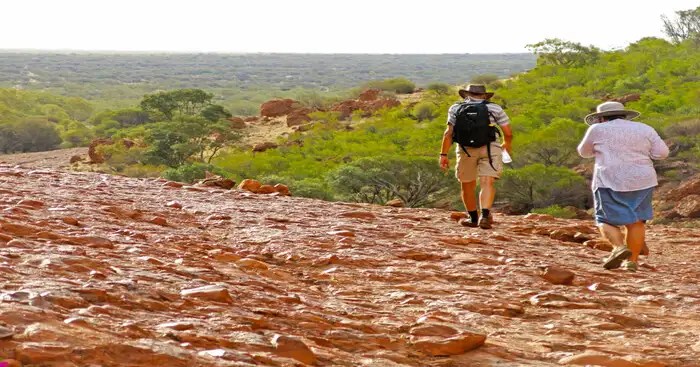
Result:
x=357 y=26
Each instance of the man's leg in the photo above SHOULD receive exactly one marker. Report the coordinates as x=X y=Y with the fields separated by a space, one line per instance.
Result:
x=469 y=195
x=635 y=239
x=488 y=192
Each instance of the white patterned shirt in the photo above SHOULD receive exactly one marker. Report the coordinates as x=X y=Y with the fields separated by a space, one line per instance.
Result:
x=623 y=152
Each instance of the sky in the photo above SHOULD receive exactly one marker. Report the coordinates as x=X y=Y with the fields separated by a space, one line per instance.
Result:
x=330 y=26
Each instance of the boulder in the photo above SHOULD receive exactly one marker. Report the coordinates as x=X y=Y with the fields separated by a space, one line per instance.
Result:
x=298 y=117
x=396 y=203
x=237 y=123
x=249 y=185
x=369 y=95
x=689 y=207
x=278 y=107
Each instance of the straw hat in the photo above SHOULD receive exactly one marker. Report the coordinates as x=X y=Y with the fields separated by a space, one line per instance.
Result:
x=610 y=108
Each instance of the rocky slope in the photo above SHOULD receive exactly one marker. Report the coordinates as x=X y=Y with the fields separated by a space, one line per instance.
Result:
x=101 y=270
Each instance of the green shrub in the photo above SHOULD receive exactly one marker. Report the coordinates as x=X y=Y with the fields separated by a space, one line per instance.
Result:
x=396 y=85
x=439 y=88
x=189 y=173
x=484 y=79
x=425 y=111
x=557 y=211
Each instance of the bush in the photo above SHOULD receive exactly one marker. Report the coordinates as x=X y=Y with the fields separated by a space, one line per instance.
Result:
x=30 y=135
x=416 y=181
x=311 y=188
x=540 y=186
x=557 y=211
x=425 y=111
x=396 y=85
x=189 y=173
x=439 y=88
x=484 y=79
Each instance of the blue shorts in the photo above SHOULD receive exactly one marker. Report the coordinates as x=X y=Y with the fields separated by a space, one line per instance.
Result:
x=622 y=207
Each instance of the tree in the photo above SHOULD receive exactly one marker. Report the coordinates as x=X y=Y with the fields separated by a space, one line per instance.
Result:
x=416 y=181
x=174 y=143
x=186 y=102
x=553 y=145
x=553 y=51
x=686 y=25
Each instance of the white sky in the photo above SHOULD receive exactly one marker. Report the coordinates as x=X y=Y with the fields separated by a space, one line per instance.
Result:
x=331 y=26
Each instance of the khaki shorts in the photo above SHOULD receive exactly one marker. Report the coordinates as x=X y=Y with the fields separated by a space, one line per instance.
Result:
x=469 y=168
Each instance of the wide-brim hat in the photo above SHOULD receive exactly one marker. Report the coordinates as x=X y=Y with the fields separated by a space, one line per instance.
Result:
x=610 y=108
x=475 y=89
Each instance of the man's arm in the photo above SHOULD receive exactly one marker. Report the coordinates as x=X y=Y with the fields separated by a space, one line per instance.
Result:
x=585 y=148
x=445 y=148
x=507 y=137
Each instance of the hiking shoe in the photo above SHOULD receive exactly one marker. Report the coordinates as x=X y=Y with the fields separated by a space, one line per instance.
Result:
x=467 y=222
x=618 y=255
x=629 y=266
x=486 y=222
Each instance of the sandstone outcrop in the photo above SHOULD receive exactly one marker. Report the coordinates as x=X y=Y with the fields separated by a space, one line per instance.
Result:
x=105 y=270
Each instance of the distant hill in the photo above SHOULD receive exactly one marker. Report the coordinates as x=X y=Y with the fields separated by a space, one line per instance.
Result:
x=70 y=73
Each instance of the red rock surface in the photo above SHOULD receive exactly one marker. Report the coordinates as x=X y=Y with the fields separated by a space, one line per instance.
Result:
x=278 y=107
x=368 y=102
x=239 y=279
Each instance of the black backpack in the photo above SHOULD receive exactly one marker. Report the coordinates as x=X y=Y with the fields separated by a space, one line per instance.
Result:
x=473 y=127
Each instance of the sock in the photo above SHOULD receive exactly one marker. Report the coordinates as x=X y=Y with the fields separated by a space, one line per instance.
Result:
x=474 y=215
x=485 y=213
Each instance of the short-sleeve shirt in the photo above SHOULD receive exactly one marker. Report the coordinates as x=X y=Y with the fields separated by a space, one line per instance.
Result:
x=497 y=115
x=623 y=152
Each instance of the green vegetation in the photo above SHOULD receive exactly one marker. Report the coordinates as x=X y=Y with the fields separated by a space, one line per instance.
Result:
x=181 y=131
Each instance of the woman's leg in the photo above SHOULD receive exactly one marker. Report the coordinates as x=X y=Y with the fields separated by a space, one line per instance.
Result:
x=635 y=239
x=612 y=234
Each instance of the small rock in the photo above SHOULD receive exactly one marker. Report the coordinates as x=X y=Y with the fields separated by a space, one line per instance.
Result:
x=252 y=264
x=214 y=293
x=557 y=275
x=173 y=184
x=433 y=330
x=596 y=359
x=291 y=347
x=396 y=203
x=599 y=244
x=456 y=216
x=177 y=325
x=70 y=220
x=359 y=215
x=451 y=346
x=6 y=332
x=159 y=221
x=342 y=233
x=34 y=204
x=174 y=204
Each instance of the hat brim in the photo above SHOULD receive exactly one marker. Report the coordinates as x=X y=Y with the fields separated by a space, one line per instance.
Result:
x=593 y=117
x=463 y=93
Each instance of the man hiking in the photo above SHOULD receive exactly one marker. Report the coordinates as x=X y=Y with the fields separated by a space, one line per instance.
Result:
x=472 y=125
x=623 y=179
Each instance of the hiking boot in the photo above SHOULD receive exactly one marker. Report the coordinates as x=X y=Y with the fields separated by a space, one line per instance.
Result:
x=618 y=255
x=486 y=222
x=467 y=222
x=629 y=266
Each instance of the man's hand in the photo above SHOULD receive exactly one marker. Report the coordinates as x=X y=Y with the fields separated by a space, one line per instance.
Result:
x=506 y=146
x=444 y=162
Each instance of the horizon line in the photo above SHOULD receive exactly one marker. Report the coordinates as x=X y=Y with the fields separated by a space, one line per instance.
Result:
x=87 y=51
